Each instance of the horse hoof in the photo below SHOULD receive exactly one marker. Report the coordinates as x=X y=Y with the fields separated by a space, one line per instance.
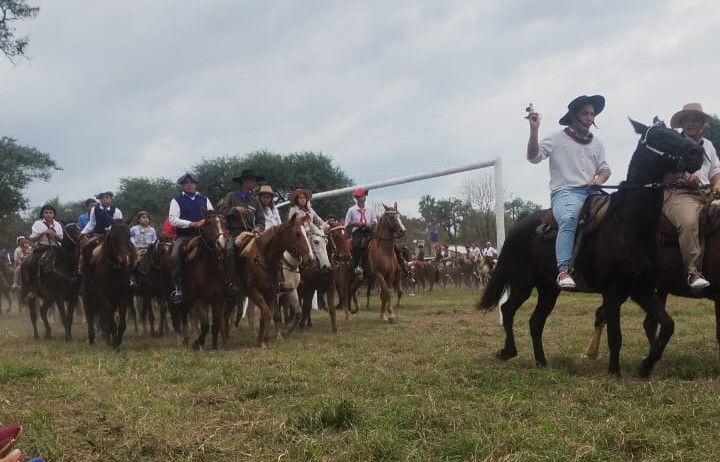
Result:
x=541 y=363
x=645 y=368
x=505 y=355
x=614 y=373
x=392 y=320
x=589 y=355
x=263 y=345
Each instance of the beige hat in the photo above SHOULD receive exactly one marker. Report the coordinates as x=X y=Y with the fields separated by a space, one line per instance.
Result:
x=300 y=190
x=266 y=189
x=689 y=108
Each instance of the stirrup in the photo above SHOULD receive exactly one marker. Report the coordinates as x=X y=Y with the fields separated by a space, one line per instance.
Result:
x=176 y=296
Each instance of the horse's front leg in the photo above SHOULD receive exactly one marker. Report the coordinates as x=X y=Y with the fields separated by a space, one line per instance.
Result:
x=613 y=298
x=44 y=308
x=122 y=321
x=217 y=321
x=332 y=310
x=593 y=346
x=266 y=315
x=201 y=316
x=649 y=301
x=64 y=318
x=32 y=307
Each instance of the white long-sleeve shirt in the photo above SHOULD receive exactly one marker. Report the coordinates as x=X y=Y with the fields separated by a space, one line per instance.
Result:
x=174 y=213
x=38 y=230
x=90 y=226
x=272 y=217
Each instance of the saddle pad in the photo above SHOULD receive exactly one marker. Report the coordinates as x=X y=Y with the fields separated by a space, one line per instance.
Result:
x=591 y=215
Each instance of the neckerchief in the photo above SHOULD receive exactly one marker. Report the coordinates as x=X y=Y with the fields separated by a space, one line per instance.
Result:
x=578 y=138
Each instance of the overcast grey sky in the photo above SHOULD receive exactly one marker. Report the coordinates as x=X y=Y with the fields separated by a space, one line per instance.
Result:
x=386 y=88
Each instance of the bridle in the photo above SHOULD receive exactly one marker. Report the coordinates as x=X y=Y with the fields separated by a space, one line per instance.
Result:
x=388 y=215
x=205 y=238
x=333 y=245
x=678 y=159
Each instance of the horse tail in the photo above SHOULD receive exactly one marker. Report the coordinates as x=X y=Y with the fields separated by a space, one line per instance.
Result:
x=515 y=251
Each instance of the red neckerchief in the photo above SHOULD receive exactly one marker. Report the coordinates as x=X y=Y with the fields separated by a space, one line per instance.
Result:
x=363 y=218
x=578 y=138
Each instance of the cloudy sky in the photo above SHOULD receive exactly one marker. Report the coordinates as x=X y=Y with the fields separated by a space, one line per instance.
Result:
x=386 y=88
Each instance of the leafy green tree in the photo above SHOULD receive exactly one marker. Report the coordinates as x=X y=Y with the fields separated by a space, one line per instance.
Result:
x=152 y=195
x=517 y=209
x=12 y=11
x=283 y=172
x=19 y=166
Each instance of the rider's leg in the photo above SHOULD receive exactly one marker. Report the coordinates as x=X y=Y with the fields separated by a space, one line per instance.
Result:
x=357 y=251
x=683 y=209
x=176 y=257
x=566 y=205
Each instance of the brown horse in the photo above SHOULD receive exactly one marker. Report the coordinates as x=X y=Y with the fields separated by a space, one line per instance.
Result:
x=152 y=276
x=380 y=261
x=106 y=282
x=340 y=259
x=258 y=266
x=205 y=283
x=54 y=283
x=6 y=277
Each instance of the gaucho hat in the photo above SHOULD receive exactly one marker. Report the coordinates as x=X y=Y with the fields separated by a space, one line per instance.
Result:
x=248 y=173
x=596 y=101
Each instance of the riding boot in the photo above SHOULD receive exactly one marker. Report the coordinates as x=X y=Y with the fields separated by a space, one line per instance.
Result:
x=231 y=266
x=357 y=252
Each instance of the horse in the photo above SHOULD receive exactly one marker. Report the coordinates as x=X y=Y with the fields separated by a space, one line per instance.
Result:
x=106 y=282
x=485 y=270
x=55 y=283
x=258 y=263
x=381 y=263
x=318 y=278
x=615 y=259
x=205 y=284
x=5 y=288
x=152 y=276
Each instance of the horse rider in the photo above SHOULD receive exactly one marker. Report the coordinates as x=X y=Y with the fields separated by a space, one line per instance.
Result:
x=85 y=217
x=242 y=214
x=46 y=234
x=101 y=218
x=300 y=200
x=421 y=253
x=142 y=235
x=186 y=213
x=683 y=205
x=360 y=221
x=266 y=197
x=577 y=162
x=474 y=252
x=23 y=252
x=489 y=251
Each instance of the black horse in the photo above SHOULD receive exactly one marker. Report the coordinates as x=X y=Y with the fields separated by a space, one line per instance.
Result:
x=54 y=283
x=615 y=260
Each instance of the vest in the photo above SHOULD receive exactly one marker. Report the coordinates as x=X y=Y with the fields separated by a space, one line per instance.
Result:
x=191 y=210
x=103 y=219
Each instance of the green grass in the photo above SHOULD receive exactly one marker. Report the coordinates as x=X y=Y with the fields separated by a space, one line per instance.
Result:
x=426 y=388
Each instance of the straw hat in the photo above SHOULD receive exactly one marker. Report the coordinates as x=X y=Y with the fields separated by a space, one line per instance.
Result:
x=266 y=189
x=689 y=108
x=294 y=195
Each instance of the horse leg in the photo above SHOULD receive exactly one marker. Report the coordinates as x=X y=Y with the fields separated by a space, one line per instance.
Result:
x=217 y=320
x=265 y=317
x=613 y=298
x=71 y=307
x=148 y=309
x=653 y=306
x=591 y=351
x=384 y=297
x=64 y=318
x=547 y=296
x=133 y=313
x=32 y=307
x=717 y=321
x=122 y=321
x=201 y=316
x=650 y=324
x=518 y=294
x=90 y=319
x=332 y=310
x=44 y=308
x=293 y=301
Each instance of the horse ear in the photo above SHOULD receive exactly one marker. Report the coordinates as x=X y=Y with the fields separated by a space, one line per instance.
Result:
x=395 y=205
x=657 y=121
x=385 y=206
x=639 y=128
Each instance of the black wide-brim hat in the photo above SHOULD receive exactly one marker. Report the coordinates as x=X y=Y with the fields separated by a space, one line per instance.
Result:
x=103 y=193
x=596 y=101
x=248 y=173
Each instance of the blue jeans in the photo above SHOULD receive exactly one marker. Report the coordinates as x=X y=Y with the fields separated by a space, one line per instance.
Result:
x=566 y=205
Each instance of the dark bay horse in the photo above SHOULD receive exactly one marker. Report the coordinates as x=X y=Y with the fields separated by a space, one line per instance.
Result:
x=55 y=284
x=205 y=283
x=258 y=266
x=616 y=259
x=380 y=261
x=106 y=282
x=340 y=260
x=152 y=276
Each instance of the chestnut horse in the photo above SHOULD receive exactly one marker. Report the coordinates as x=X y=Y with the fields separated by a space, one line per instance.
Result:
x=380 y=262
x=258 y=265
x=56 y=284
x=106 y=282
x=205 y=284
x=616 y=259
x=340 y=260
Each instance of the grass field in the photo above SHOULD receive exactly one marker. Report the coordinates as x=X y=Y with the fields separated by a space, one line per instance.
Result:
x=426 y=388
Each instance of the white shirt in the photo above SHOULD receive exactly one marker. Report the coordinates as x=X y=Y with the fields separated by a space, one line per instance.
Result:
x=39 y=227
x=489 y=252
x=571 y=164
x=710 y=167
x=90 y=226
x=474 y=252
x=272 y=217
x=174 y=213
x=354 y=216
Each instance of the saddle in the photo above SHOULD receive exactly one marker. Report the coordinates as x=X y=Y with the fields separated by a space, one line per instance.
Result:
x=592 y=213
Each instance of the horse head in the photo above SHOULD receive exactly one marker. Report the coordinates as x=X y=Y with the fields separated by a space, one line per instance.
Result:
x=71 y=234
x=212 y=231
x=662 y=150
x=319 y=244
x=338 y=243
x=295 y=239
x=391 y=215
x=118 y=245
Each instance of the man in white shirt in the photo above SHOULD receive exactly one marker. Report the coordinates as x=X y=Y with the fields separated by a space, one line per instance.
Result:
x=102 y=215
x=474 y=251
x=46 y=234
x=577 y=161
x=360 y=222
x=489 y=251
x=682 y=206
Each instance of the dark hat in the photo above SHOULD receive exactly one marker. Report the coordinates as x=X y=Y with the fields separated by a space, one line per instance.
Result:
x=90 y=201
x=141 y=213
x=104 y=193
x=188 y=176
x=248 y=173
x=300 y=190
x=596 y=101
x=47 y=207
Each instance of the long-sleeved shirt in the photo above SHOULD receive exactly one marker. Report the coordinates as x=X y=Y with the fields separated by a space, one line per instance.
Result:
x=174 y=212
x=356 y=216
x=272 y=217
x=83 y=220
x=571 y=164
x=253 y=218
x=38 y=230
x=142 y=237
x=90 y=226
x=314 y=217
